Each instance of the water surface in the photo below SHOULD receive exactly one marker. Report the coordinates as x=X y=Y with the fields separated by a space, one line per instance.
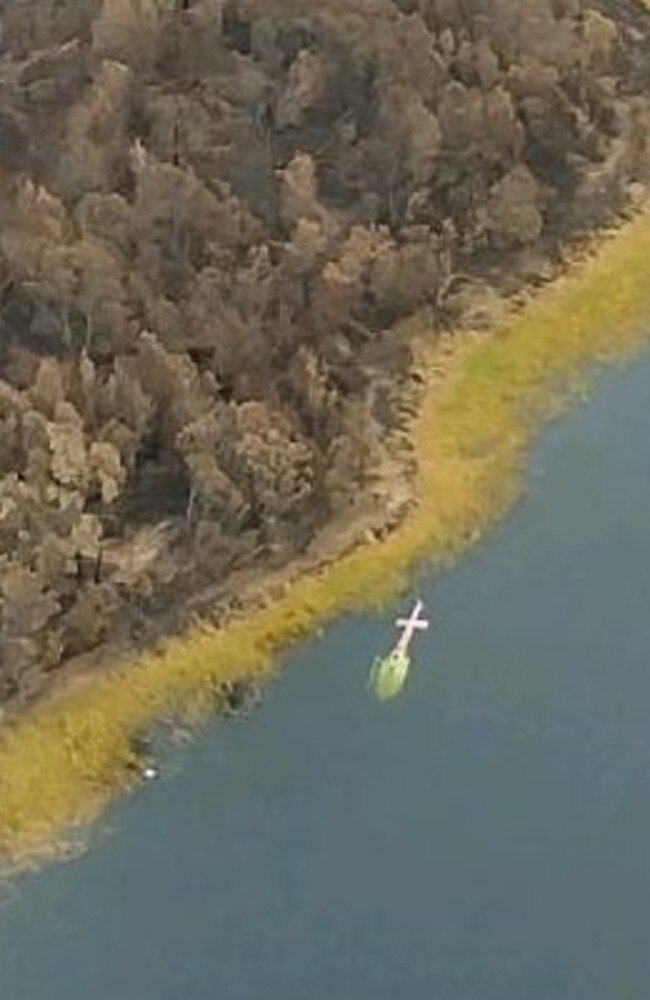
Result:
x=486 y=836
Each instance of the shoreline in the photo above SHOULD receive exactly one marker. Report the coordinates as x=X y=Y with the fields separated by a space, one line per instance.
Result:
x=484 y=398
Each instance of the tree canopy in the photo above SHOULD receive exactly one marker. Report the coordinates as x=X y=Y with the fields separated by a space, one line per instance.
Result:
x=213 y=214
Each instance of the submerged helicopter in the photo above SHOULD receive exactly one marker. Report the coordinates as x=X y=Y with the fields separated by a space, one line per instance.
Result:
x=388 y=673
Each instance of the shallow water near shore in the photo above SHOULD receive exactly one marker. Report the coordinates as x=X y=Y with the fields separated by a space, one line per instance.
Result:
x=482 y=837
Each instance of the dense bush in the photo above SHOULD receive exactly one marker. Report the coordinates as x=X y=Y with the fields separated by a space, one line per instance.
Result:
x=212 y=214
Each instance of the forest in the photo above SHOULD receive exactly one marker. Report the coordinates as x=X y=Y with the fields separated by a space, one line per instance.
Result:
x=214 y=215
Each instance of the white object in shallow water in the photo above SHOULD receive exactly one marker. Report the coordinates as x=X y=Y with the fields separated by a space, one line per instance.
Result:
x=150 y=772
x=388 y=673
x=410 y=626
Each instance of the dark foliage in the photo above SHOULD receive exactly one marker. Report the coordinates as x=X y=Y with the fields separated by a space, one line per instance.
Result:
x=212 y=215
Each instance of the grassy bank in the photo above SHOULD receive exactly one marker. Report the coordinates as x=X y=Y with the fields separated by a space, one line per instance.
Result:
x=61 y=764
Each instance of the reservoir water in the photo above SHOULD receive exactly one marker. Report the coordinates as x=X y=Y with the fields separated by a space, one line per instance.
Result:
x=485 y=836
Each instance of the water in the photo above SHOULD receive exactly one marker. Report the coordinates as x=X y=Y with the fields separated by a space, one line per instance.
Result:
x=483 y=837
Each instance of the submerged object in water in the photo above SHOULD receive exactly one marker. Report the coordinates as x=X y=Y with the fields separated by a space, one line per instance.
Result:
x=388 y=673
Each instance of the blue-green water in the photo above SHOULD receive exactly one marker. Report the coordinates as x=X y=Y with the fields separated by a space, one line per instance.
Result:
x=485 y=836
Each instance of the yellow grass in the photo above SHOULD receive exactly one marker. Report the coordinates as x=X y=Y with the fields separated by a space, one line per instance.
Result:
x=62 y=763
